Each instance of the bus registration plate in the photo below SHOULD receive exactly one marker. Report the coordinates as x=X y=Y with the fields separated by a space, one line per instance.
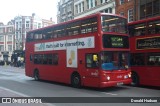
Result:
x=119 y=83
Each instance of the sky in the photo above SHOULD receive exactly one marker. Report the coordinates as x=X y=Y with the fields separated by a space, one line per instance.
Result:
x=44 y=9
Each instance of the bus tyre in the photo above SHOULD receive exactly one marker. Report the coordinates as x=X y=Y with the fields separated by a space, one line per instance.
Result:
x=36 y=75
x=135 y=79
x=76 y=80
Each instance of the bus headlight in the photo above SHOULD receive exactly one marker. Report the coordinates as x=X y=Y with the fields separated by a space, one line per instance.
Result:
x=126 y=76
x=108 y=78
x=129 y=75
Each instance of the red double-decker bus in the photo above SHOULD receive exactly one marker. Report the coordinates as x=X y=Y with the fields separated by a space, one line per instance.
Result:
x=145 y=51
x=90 y=51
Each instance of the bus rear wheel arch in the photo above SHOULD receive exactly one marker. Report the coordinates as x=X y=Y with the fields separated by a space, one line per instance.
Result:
x=76 y=80
x=36 y=74
x=135 y=79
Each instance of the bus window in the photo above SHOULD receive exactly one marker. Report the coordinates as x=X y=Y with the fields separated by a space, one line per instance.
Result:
x=153 y=59
x=154 y=27
x=114 y=60
x=124 y=60
x=73 y=28
x=35 y=59
x=92 y=25
x=55 y=59
x=59 y=31
x=114 y=24
x=89 y=25
x=45 y=59
x=31 y=57
x=140 y=29
x=92 y=60
x=137 y=59
x=40 y=59
x=50 y=58
x=137 y=30
x=29 y=37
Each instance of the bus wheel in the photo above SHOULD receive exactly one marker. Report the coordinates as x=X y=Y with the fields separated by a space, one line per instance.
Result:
x=36 y=75
x=135 y=79
x=76 y=80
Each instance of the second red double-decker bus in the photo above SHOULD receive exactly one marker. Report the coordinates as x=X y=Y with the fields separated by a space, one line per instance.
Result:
x=145 y=51
x=90 y=51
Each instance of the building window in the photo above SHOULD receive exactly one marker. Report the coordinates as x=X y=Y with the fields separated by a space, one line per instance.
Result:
x=9 y=48
x=142 y=11
x=104 y=1
x=9 y=29
x=130 y=15
x=27 y=24
x=91 y=3
x=149 y=8
x=16 y=25
x=122 y=13
x=1 y=39
x=106 y=10
x=1 y=30
x=39 y=25
x=82 y=6
x=1 y=48
x=156 y=7
x=10 y=38
x=121 y=2
x=76 y=9
x=79 y=7
x=16 y=35
x=35 y=25
x=110 y=10
x=69 y=8
x=63 y=11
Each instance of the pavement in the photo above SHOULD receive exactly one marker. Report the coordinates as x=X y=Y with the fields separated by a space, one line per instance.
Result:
x=8 y=93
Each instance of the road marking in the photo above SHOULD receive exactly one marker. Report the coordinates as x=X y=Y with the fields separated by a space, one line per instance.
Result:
x=110 y=94
x=15 y=92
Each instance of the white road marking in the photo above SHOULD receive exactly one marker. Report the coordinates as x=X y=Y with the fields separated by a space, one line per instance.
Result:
x=110 y=94
x=18 y=93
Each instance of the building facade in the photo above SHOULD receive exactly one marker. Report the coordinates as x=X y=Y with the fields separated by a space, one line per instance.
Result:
x=13 y=35
x=65 y=10
x=128 y=8
x=7 y=34
x=138 y=9
x=149 y=8
x=86 y=7
x=23 y=24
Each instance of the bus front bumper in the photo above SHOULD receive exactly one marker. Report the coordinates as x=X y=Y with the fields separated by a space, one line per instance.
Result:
x=115 y=83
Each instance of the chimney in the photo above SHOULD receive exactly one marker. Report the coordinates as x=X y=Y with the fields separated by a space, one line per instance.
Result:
x=51 y=19
x=33 y=14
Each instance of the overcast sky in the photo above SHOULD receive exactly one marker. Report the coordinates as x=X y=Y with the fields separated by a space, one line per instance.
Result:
x=43 y=8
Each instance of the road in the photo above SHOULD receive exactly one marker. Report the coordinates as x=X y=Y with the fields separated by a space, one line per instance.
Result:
x=13 y=80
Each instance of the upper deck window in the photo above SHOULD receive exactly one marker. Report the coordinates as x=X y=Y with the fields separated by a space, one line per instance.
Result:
x=149 y=28
x=114 y=24
x=137 y=30
x=78 y=27
x=89 y=25
x=154 y=27
x=73 y=28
